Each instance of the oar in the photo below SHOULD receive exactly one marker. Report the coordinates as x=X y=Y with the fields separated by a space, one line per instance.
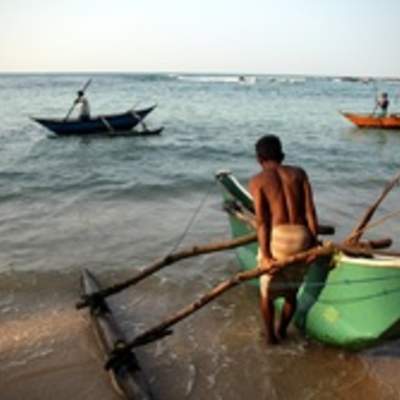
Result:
x=376 y=98
x=396 y=99
x=107 y=125
x=74 y=103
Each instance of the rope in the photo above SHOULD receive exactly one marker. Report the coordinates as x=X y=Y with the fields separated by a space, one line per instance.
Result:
x=382 y=220
x=376 y=223
x=190 y=222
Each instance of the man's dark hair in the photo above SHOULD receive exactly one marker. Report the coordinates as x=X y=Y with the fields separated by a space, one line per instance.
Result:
x=269 y=147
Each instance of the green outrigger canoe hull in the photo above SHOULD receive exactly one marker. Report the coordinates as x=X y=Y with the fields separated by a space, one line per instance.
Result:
x=344 y=301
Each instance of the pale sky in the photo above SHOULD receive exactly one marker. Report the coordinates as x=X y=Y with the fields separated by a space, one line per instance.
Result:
x=323 y=37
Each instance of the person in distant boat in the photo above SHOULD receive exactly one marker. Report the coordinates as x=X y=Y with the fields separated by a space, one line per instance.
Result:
x=383 y=104
x=286 y=224
x=84 y=114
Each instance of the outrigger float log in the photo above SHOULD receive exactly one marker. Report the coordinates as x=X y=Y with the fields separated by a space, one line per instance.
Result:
x=126 y=373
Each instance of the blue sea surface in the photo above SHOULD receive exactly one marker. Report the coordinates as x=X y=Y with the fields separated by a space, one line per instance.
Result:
x=63 y=199
x=115 y=204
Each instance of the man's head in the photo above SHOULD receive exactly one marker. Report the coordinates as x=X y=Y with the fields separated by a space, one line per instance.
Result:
x=269 y=148
x=80 y=93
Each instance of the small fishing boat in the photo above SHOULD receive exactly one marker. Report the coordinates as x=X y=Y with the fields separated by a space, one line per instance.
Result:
x=391 y=121
x=351 y=302
x=127 y=376
x=108 y=124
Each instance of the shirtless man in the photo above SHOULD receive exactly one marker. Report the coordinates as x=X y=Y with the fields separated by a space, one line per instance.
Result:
x=286 y=224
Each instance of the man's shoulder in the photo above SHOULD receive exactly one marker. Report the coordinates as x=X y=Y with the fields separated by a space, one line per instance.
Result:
x=255 y=179
x=294 y=169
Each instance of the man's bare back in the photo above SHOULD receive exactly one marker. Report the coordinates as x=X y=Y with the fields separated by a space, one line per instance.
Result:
x=282 y=195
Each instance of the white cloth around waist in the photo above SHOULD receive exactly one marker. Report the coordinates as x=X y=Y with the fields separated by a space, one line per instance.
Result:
x=286 y=240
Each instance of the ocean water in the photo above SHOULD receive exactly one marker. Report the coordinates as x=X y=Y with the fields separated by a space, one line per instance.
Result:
x=114 y=205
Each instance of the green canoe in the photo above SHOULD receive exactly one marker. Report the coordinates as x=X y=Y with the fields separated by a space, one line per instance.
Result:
x=344 y=301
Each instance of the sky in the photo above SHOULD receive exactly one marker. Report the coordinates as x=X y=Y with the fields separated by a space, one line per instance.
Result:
x=310 y=37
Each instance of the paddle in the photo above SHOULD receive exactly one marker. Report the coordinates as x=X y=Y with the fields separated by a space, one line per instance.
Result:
x=375 y=107
x=74 y=103
x=376 y=98
x=107 y=125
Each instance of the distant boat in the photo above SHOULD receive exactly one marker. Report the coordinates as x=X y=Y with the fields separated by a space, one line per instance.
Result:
x=115 y=124
x=391 y=121
x=349 y=79
x=247 y=80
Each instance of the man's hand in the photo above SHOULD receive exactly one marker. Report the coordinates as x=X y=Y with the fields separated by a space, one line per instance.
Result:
x=266 y=262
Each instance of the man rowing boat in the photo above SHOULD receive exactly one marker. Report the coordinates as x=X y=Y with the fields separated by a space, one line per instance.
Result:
x=382 y=103
x=286 y=224
x=84 y=113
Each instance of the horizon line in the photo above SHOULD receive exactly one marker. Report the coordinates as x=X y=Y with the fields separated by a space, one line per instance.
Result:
x=125 y=72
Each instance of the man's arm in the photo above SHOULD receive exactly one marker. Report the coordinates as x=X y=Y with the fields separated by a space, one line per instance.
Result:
x=311 y=214
x=263 y=220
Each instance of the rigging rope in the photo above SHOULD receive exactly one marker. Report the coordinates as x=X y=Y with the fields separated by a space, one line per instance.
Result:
x=376 y=223
x=191 y=220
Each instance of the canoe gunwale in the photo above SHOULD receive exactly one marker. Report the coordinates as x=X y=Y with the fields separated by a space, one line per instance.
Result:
x=377 y=261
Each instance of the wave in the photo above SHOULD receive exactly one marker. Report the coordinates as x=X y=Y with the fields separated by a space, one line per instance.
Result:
x=217 y=79
x=287 y=80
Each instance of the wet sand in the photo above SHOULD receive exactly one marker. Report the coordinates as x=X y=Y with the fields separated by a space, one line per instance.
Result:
x=49 y=351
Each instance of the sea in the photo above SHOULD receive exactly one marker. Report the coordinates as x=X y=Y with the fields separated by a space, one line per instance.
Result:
x=114 y=205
